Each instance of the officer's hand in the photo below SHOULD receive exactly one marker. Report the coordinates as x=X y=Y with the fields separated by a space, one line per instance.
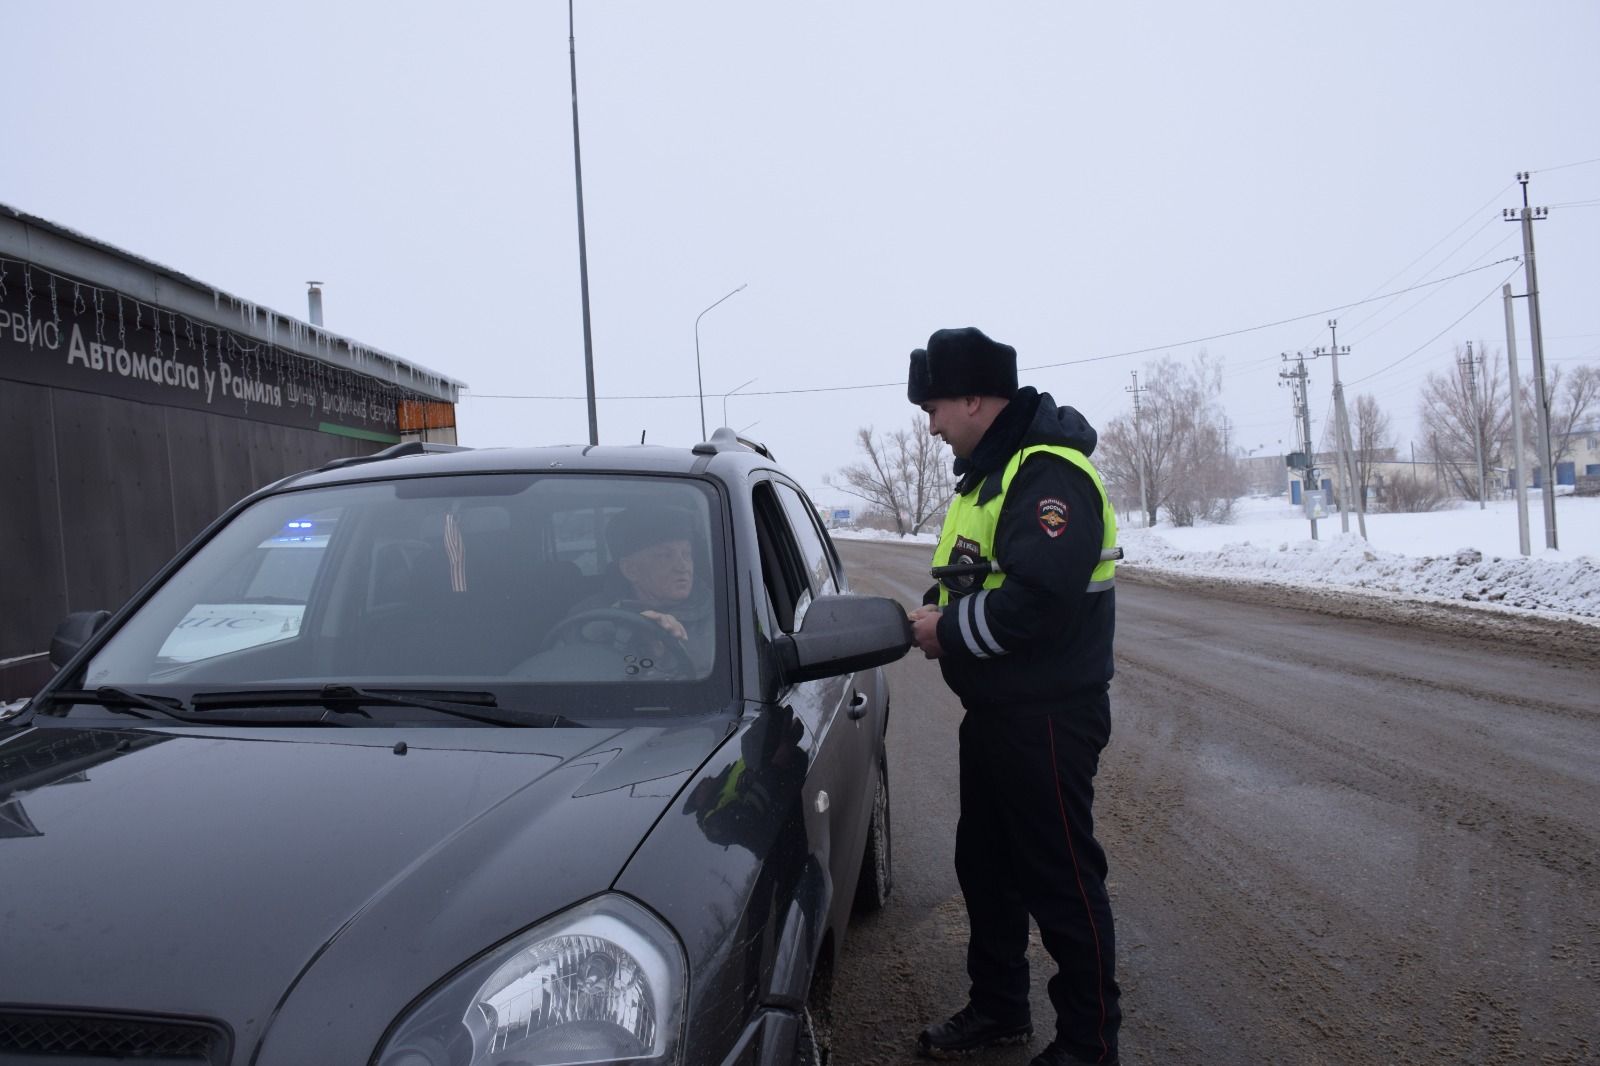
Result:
x=925 y=631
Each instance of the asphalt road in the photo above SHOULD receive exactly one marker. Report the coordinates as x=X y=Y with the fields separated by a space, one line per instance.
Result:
x=1340 y=830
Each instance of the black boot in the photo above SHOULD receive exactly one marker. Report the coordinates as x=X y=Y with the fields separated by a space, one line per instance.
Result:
x=967 y=1031
x=1057 y=1055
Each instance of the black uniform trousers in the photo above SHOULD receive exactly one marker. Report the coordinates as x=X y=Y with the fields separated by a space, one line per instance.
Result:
x=1025 y=845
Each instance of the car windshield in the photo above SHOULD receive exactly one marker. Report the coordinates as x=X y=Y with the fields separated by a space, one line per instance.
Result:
x=579 y=595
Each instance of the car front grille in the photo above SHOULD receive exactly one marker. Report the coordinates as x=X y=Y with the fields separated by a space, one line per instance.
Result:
x=43 y=1036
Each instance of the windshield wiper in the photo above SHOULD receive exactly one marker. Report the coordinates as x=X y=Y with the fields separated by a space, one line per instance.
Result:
x=349 y=699
x=123 y=701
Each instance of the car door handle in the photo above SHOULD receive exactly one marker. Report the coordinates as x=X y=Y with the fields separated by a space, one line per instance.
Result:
x=858 y=705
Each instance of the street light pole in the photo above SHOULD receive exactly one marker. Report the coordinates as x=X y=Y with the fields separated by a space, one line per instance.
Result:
x=730 y=392
x=583 y=248
x=700 y=381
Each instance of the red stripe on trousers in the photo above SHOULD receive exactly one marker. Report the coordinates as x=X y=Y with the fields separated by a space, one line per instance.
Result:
x=1100 y=968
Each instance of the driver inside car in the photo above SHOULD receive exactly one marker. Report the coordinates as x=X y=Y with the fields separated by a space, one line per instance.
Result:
x=654 y=551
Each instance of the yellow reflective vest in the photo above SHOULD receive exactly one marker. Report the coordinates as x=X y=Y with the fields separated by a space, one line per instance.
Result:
x=968 y=534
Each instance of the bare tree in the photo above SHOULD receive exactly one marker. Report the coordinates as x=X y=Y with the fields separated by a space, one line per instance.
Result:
x=1454 y=420
x=1408 y=493
x=1374 y=440
x=1208 y=481
x=1574 y=400
x=904 y=476
x=1121 y=452
x=1181 y=442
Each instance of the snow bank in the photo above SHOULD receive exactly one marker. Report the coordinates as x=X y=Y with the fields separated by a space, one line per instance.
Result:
x=1545 y=582
x=1465 y=555
x=879 y=534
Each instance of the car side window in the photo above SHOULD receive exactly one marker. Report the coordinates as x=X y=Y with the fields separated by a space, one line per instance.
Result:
x=813 y=549
x=782 y=565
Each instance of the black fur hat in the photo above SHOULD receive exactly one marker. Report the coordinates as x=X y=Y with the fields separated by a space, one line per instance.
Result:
x=962 y=362
x=640 y=527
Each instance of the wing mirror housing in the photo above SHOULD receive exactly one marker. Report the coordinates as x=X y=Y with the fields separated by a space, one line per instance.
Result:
x=843 y=634
x=73 y=632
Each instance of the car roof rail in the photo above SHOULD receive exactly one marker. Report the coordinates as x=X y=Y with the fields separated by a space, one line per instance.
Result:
x=726 y=440
x=394 y=451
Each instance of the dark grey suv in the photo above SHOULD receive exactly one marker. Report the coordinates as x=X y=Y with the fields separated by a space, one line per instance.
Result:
x=450 y=757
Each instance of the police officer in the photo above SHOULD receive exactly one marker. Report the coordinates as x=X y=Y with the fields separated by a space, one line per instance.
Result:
x=1021 y=623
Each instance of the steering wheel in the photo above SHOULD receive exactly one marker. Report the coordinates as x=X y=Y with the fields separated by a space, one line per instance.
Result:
x=679 y=663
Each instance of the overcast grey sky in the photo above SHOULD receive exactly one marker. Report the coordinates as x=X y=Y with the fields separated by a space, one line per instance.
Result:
x=1078 y=180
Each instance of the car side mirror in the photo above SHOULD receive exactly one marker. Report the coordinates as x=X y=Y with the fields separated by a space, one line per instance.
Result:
x=73 y=632
x=843 y=634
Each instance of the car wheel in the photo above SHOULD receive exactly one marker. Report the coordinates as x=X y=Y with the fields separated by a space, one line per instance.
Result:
x=877 y=862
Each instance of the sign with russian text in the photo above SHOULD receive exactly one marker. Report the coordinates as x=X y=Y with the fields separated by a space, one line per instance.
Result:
x=67 y=333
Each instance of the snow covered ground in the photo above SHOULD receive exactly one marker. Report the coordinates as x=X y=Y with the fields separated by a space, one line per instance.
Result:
x=1464 y=555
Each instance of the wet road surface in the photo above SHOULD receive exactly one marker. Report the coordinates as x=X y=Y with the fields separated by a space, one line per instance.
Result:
x=1364 y=833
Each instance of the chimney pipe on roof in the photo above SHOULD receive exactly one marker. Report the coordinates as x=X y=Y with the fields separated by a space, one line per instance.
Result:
x=314 y=299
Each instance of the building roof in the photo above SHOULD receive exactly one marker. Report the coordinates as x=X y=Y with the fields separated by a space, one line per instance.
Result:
x=70 y=254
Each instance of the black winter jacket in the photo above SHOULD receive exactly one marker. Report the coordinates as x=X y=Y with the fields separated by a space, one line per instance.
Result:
x=1055 y=637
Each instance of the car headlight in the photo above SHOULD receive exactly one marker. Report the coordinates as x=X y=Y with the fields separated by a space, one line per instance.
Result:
x=601 y=983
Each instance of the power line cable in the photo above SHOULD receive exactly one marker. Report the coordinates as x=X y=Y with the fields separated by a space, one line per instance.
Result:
x=1564 y=166
x=1429 y=250
x=1039 y=366
x=1441 y=333
x=1487 y=222
x=1470 y=215
x=1359 y=337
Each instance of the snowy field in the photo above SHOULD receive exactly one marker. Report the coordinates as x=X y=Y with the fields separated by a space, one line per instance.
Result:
x=1464 y=555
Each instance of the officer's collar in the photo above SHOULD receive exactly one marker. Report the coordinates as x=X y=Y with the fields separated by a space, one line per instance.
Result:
x=1000 y=442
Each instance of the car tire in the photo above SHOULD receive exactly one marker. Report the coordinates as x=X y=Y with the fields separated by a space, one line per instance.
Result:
x=876 y=879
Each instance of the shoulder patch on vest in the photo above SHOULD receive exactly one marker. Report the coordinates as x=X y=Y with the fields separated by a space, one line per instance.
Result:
x=1053 y=516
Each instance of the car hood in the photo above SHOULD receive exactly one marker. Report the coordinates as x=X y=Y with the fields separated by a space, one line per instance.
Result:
x=209 y=872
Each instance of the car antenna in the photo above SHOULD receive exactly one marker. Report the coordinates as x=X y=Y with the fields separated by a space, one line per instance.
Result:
x=641 y=435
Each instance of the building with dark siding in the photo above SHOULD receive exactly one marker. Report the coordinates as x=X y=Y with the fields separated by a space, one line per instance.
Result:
x=137 y=403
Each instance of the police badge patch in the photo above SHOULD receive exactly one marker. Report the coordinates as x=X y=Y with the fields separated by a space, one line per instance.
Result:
x=1052 y=517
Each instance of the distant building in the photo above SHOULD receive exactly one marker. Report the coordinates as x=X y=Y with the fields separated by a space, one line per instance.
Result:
x=1584 y=451
x=137 y=403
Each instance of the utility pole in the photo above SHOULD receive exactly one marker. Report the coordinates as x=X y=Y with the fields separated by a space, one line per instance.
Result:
x=1341 y=435
x=1527 y=216
x=1297 y=379
x=1518 y=468
x=1138 y=436
x=1477 y=424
